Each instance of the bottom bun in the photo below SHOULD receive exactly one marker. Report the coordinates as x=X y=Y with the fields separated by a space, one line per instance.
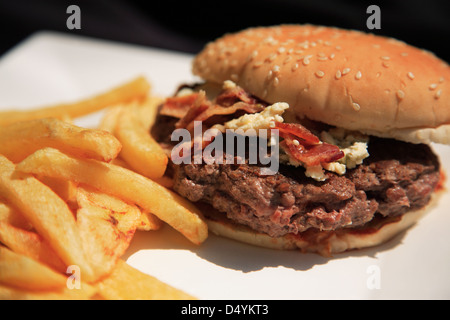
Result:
x=325 y=243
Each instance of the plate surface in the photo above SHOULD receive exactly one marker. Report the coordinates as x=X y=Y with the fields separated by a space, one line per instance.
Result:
x=49 y=68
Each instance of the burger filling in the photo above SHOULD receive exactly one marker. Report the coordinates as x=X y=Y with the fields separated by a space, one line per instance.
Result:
x=328 y=178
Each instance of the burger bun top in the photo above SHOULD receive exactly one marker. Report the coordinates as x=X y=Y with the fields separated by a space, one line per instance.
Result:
x=345 y=78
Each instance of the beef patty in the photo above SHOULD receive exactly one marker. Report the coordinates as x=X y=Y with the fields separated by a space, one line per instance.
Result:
x=397 y=177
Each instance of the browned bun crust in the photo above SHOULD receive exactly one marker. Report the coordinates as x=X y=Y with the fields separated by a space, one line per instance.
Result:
x=325 y=243
x=358 y=81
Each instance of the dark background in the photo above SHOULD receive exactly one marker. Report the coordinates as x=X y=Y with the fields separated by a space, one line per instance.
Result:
x=188 y=25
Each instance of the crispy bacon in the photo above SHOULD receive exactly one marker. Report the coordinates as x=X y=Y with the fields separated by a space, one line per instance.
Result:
x=230 y=96
x=203 y=110
x=177 y=107
x=297 y=130
x=307 y=153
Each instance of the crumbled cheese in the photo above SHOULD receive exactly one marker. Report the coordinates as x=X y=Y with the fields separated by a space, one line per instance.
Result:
x=262 y=120
x=184 y=92
x=354 y=146
x=315 y=172
x=228 y=84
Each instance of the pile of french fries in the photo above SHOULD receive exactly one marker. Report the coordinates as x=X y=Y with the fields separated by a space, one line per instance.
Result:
x=72 y=198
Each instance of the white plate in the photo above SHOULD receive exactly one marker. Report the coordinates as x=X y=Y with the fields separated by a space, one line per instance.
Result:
x=49 y=68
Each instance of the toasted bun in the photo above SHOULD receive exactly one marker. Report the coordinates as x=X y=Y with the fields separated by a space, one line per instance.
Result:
x=358 y=81
x=325 y=243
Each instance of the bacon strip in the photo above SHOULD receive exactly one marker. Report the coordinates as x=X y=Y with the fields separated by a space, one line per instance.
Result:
x=305 y=147
x=203 y=109
x=297 y=130
x=177 y=107
x=233 y=95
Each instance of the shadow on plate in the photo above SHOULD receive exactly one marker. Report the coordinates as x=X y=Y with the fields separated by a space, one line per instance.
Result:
x=242 y=257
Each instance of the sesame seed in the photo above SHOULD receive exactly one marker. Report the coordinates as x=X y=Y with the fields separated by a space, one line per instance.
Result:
x=281 y=50
x=327 y=43
x=306 y=60
x=295 y=67
x=356 y=106
x=345 y=71
x=385 y=64
x=322 y=58
x=288 y=58
x=410 y=75
x=320 y=74
x=295 y=142
x=441 y=79
x=385 y=58
x=338 y=47
x=438 y=94
x=338 y=74
x=332 y=56
x=257 y=64
x=433 y=86
x=400 y=94
x=404 y=54
x=358 y=75
x=272 y=57
x=276 y=69
x=276 y=81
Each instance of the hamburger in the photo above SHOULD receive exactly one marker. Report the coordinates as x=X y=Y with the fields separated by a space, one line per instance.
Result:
x=353 y=116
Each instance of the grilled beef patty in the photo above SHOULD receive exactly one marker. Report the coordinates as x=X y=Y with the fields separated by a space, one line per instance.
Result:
x=396 y=178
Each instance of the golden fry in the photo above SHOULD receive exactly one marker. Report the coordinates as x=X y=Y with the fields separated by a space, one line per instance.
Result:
x=30 y=244
x=86 y=292
x=19 y=140
x=48 y=213
x=128 y=283
x=149 y=221
x=139 y=149
x=124 y=184
x=109 y=120
x=148 y=110
x=11 y=216
x=135 y=89
x=23 y=272
x=107 y=226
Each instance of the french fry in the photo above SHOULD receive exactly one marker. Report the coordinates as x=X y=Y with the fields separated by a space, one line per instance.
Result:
x=109 y=119
x=48 y=213
x=107 y=226
x=124 y=184
x=86 y=292
x=148 y=110
x=149 y=221
x=65 y=189
x=19 y=140
x=128 y=283
x=11 y=216
x=30 y=244
x=139 y=149
x=23 y=272
x=135 y=89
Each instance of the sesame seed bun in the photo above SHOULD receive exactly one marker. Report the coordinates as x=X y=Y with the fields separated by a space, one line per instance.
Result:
x=357 y=81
